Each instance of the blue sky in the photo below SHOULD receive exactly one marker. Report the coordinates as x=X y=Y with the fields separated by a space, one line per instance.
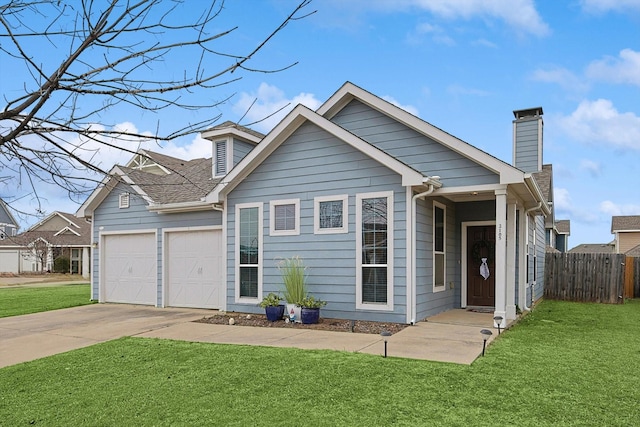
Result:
x=463 y=66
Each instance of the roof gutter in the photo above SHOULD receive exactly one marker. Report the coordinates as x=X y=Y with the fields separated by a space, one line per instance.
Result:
x=532 y=185
x=184 y=207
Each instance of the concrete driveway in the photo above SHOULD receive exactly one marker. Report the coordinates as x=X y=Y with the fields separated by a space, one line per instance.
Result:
x=453 y=336
x=32 y=336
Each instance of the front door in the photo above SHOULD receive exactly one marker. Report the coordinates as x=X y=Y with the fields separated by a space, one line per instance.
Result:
x=481 y=285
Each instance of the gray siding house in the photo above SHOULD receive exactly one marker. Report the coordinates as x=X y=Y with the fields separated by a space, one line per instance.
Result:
x=395 y=219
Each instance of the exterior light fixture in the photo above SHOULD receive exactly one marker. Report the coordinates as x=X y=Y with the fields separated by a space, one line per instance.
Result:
x=486 y=334
x=384 y=335
x=498 y=320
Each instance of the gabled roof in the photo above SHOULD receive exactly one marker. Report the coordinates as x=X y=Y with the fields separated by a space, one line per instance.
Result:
x=594 y=248
x=563 y=226
x=349 y=91
x=231 y=128
x=544 y=178
x=299 y=115
x=8 y=214
x=625 y=223
x=524 y=184
x=634 y=252
x=184 y=181
x=74 y=232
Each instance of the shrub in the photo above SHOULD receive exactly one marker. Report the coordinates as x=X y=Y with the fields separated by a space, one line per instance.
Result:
x=61 y=264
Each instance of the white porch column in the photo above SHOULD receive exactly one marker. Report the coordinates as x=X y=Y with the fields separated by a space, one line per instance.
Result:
x=511 y=261
x=85 y=262
x=501 y=256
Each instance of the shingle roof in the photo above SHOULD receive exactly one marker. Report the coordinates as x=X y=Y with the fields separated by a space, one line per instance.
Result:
x=59 y=237
x=543 y=178
x=189 y=180
x=594 y=248
x=563 y=226
x=631 y=222
x=230 y=124
x=634 y=252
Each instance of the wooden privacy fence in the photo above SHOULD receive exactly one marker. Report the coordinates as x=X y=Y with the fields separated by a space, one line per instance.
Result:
x=606 y=278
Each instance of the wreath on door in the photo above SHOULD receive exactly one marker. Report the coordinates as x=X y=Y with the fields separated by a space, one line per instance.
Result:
x=478 y=249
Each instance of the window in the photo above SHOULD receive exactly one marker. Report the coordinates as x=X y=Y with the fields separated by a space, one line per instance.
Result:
x=331 y=214
x=439 y=247
x=220 y=162
x=248 y=252
x=374 y=242
x=123 y=202
x=284 y=217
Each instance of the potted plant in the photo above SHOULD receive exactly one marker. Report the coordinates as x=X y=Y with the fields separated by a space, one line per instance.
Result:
x=310 y=312
x=272 y=307
x=294 y=276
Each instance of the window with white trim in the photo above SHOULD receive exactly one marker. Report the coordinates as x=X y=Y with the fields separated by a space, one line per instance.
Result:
x=248 y=252
x=123 y=201
x=331 y=214
x=220 y=158
x=284 y=217
x=439 y=246
x=374 y=243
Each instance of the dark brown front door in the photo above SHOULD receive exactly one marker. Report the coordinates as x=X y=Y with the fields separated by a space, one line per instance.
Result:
x=481 y=241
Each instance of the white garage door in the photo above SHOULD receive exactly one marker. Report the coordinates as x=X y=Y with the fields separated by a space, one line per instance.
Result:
x=194 y=273
x=129 y=268
x=9 y=261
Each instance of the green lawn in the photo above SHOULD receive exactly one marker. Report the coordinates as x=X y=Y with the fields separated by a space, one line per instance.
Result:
x=17 y=301
x=564 y=364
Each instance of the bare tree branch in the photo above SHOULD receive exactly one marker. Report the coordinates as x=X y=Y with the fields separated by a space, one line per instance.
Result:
x=107 y=54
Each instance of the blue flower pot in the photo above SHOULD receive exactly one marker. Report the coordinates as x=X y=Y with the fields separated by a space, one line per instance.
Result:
x=310 y=315
x=274 y=313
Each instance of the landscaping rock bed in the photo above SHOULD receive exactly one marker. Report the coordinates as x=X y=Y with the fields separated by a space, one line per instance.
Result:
x=336 y=325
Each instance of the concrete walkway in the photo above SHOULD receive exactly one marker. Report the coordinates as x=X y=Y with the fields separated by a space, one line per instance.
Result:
x=453 y=336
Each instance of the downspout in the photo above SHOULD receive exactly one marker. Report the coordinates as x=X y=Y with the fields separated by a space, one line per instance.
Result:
x=526 y=245
x=412 y=244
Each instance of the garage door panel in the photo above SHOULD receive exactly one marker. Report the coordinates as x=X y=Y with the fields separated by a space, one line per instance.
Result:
x=130 y=269
x=194 y=266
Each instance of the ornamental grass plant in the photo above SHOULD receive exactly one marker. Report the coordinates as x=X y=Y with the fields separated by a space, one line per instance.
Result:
x=294 y=275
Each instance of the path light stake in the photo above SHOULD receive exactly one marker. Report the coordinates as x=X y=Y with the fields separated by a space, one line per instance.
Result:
x=486 y=334
x=384 y=335
x=498 y=320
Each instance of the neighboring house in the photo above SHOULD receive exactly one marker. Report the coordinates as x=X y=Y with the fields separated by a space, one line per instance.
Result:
x=594 y=248
x=556 y=231
x=393 y=217
x=562 y=231
x=9 y=256
x=626 y=231
x=59 y=234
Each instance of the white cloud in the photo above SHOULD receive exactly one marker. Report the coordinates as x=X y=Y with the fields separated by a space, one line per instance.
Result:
x=561 y=199
x=269 y=100
x=591 y=167
x=436 y=33
x=623 y=69
x=484 y=43
x=562 y=77
x=564 y=207
x=612 y=209
x=602 y=6
x=519 y=14
x=408 y=108
x=598 y=122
